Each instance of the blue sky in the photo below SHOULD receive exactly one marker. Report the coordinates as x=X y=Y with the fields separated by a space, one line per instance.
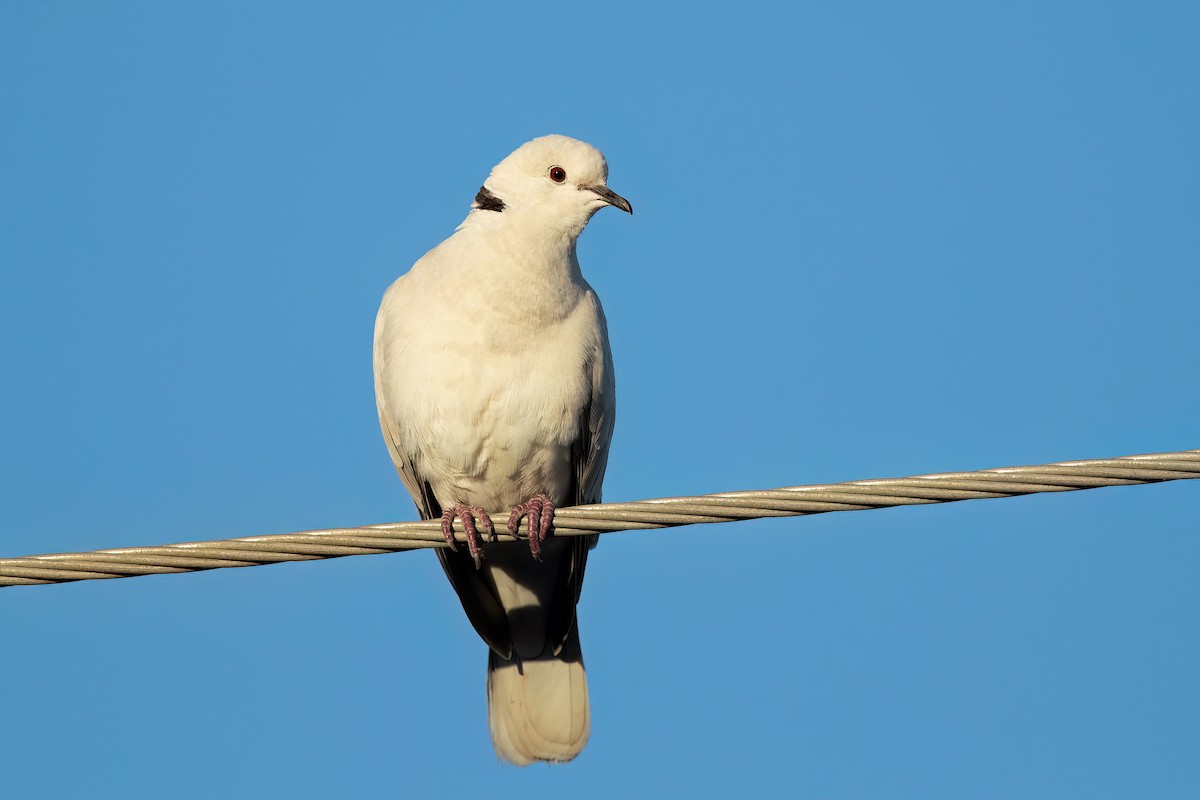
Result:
x=870 y=241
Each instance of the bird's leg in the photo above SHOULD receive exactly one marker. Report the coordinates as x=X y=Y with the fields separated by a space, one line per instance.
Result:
x=540 y=511
x=467 y=515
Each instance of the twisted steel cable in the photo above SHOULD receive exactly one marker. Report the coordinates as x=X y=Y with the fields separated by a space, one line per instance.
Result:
x=665 y=512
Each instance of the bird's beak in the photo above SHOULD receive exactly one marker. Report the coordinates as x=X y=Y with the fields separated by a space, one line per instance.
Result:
x=612 y=198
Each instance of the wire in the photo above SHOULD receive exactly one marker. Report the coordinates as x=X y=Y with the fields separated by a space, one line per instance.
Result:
x=663 y=512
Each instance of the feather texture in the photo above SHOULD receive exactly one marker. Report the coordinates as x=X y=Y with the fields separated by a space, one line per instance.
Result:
x=494 y=383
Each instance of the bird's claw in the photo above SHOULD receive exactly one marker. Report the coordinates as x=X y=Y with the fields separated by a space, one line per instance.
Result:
x=467 y=514
x=540 y=511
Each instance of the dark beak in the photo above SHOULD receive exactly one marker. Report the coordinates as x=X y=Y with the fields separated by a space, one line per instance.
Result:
x=612 y=198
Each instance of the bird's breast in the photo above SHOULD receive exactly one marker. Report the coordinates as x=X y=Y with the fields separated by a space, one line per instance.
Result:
x=488 y=396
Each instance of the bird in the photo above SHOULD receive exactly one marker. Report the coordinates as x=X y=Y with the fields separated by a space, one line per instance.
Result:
x=495 y=390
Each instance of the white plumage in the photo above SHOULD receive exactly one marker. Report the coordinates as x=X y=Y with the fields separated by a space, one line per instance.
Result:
x=494 y=384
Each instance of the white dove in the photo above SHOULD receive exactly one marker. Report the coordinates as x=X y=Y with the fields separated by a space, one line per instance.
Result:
x=494 y=383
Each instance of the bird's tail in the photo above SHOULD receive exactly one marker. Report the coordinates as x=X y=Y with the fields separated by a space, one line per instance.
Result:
x=538 y=707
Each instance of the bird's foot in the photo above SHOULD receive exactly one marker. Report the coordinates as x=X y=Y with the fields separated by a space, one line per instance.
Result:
x=467 y=514
x=540 y=511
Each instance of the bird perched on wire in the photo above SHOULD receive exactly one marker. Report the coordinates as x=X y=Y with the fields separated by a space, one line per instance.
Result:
x=494 y=383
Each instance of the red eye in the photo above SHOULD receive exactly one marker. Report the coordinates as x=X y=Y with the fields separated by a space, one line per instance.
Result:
x=558 y=174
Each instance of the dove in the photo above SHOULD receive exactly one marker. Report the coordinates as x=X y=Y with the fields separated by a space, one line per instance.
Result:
x=495 y=390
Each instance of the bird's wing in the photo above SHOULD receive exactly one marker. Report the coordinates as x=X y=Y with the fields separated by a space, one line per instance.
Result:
x=590 y=453
x=589 y=458
x=419 y=489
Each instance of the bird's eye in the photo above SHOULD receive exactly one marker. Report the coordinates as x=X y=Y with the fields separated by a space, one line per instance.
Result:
x=558 y=174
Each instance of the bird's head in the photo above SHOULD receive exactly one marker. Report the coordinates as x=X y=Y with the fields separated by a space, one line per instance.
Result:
x=557 y=180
